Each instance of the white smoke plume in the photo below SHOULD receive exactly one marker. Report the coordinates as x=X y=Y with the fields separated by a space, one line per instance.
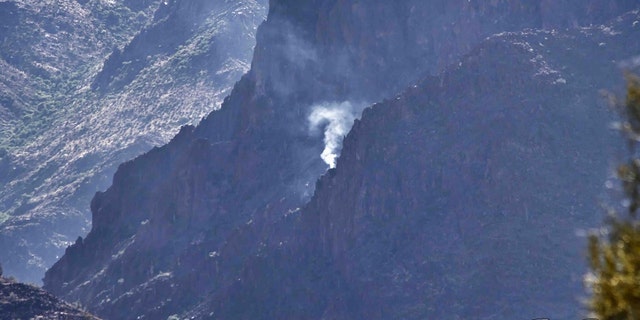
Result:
x=335 y=120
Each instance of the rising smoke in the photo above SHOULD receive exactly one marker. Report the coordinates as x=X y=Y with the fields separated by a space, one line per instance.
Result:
x=335 y=120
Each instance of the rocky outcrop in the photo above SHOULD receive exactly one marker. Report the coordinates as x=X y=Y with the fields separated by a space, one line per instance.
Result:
x=210 y=225
x=21 y=301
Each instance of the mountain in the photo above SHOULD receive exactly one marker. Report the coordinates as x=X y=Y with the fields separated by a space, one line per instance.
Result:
x=462 y=198
x=173 y=63
x=442 y=194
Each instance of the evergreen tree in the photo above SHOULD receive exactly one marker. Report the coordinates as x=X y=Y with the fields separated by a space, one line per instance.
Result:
x=615 y=255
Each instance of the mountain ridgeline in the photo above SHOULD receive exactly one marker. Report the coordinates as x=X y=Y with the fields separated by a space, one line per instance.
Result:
x=457 y=196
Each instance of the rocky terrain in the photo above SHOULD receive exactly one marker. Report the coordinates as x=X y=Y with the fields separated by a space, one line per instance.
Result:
x=122 y=77
x=22 y=301
x=459 y=198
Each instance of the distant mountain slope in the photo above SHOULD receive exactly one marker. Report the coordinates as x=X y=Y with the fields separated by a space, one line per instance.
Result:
x=210 y=224
x=173 y=72
x=48 y=53
x=47 y=50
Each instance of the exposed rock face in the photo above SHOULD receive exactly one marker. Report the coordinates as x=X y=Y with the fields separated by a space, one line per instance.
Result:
x=490 y=170
x=174 y=71
x=424 y=195
x=21 y=301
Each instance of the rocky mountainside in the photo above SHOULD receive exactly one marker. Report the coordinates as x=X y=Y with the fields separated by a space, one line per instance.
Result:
x=172 y=69
x=424 y=199
x=21 y=301
x=464 y=197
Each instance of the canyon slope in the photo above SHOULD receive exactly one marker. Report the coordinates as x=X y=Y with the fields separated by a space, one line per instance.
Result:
x=458 y=198
x=94 y=84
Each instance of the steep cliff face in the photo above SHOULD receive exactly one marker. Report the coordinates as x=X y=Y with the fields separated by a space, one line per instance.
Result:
x=172 y=72
x=210 y=221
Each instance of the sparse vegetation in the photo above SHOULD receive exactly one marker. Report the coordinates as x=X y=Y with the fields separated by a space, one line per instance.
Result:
x=51 y=84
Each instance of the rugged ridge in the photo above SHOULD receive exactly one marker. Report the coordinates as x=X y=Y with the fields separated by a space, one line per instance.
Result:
x=208 y=221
